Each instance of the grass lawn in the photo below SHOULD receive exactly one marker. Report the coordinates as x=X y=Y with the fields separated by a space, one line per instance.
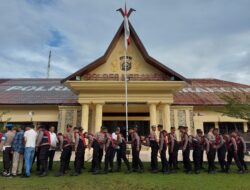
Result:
x=121 y=181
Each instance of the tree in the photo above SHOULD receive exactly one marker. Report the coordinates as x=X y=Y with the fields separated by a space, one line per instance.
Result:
x=237 y=105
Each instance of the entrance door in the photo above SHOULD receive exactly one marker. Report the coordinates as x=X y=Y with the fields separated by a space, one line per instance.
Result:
x=143 y=126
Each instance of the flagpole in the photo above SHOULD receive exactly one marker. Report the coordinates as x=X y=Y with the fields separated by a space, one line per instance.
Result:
x=126 y=92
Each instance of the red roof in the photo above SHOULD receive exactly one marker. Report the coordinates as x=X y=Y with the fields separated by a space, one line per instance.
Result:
x=52 y=92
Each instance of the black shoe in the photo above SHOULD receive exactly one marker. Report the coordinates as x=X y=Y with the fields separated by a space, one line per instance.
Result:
x=91 y=170
x=211 y=172
x=197 y=172
x=241 y=172
x=43 y=174
x=97 y=172
x=173 y=171
x=74 y=174
x=166 y=172
x=129 y=171
x=58 y=174
x=140 y=171
x=25 y=176
x=189 y=172
x=154 y=171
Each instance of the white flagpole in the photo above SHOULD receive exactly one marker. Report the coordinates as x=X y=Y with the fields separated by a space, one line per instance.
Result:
x=126 y=93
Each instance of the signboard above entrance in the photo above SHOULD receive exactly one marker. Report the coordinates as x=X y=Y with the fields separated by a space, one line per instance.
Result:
x=120 y=77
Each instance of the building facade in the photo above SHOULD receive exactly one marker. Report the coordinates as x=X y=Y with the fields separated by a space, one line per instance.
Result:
x=95 y=95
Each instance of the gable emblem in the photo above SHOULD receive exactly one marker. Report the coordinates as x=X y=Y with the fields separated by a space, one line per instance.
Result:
x=128 y=61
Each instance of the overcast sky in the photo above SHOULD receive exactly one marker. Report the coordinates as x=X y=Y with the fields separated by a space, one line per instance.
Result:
x=196 y=38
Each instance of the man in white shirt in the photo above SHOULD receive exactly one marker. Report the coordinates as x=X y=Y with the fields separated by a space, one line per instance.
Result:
x=30 y=136
x=53 y=143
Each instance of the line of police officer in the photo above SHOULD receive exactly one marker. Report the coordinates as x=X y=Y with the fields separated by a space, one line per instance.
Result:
x=227 y=147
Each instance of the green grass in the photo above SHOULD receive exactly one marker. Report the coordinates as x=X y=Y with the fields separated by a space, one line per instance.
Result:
x=121 y=181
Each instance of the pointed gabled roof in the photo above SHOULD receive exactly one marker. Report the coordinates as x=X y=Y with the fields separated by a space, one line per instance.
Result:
x=141 y=48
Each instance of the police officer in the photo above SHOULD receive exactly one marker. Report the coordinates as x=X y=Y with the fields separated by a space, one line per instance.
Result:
x=5 y=146
x=197 y=150
x=154 y=149
x=163 y=142
x=173 y=151
x=136 y=148
x=109 y=152
x=122 y=153
x=101 y=139
x=211 y=151
x=185 y=149
x=233 y=153
x=79 y=148
x=221 y=149
x=242 y=149
x=116 y=138
x=43 y=142
x=66 y=147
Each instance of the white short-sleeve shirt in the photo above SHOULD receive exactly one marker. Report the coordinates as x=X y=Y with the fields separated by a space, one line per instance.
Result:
x=30 y=138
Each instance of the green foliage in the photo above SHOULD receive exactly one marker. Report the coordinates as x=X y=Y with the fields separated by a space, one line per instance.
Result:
x=236 y=106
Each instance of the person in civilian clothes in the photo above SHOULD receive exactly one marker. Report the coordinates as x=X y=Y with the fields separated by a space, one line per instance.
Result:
x=122 y=153
x=18 y=152
x=30 y=136
x=220 y=146
x=109 y=152
x=232 y=150
x=197 y=150
x=173 y=151
x=154 y=149
x=5 y=146
x=79 y=147
x=53 y=145
x=116 y=137
x=242 y=149
x=43 y=141
x=65 y=145
x=185 y=149
x=163 y=143
x=136 y=148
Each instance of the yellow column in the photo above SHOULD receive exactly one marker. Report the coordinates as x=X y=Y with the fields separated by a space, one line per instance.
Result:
x=98 y=116
x=187 y=114
x=85 y=117
x=166 y=117
x=245 y=127
x=152 y=113
x=176 y=123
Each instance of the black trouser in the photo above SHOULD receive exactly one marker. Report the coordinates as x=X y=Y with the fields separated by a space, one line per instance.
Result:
x=36 y=157
x=78 y=159
x=83 y=157
x=137 y=161
x=230 y=156
x=51 y=158
x=95 y=160
x=173 y=158
x=164 y=161
x=154 y=151
x=210 y=159
x=201 y=158
x=241 y=157
x=197 y=158
x=222 y=157
x=68 y=158
x=65 y=156
x=186 y=160
x=109 y=158
x=121 y=155
x=100 y=157
x=118 y=159
x=43 y=158
x=7 y=159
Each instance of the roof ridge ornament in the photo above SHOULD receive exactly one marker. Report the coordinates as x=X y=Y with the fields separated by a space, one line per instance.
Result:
x=124 y=11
